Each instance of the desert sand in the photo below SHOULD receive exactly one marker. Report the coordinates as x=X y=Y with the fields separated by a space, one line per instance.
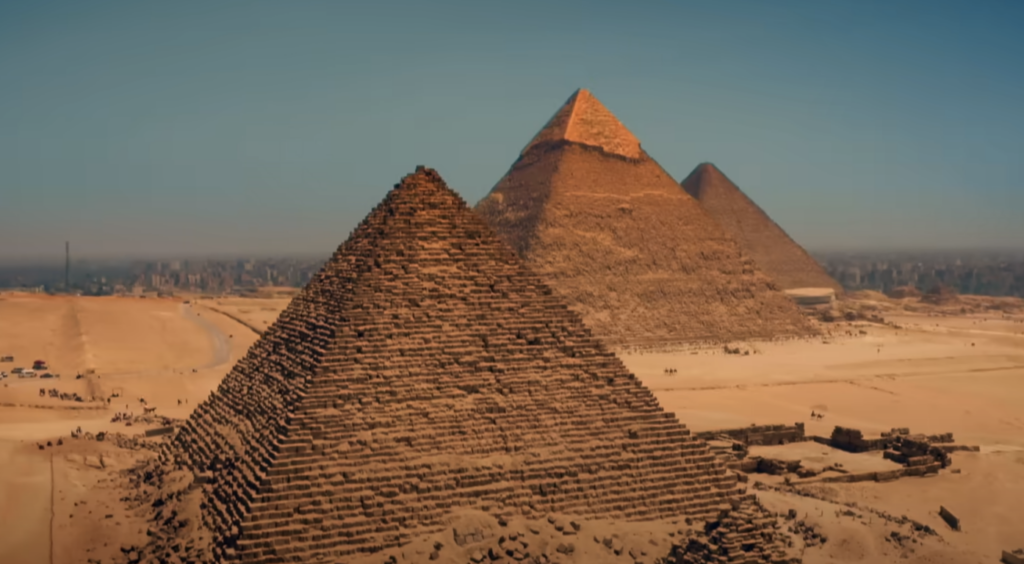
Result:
x=933 y=374
x=141 y=348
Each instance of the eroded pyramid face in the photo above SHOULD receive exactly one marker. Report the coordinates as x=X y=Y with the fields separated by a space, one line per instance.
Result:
x=614 y=235
x=423 y=370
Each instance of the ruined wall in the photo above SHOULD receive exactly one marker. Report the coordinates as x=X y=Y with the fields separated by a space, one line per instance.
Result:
x=756 y=435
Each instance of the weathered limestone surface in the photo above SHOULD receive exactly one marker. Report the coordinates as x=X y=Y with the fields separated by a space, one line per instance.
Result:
x=773 y=250
x=425 y=369
x=612 y=233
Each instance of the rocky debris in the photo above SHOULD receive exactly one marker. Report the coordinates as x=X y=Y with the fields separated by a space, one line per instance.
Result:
x=423 y=371
x=853 y=509
x=810 y=534
x=745 y=534
x=900 y=539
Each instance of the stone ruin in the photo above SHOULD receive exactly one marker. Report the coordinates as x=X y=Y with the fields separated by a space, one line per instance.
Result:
x=1013 y=557
x=756 y=435
x=745 y=534
x=422 y=371
x=925 y=451
x=852 y=440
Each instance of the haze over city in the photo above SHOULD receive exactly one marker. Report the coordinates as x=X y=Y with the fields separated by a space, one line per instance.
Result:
x=194 y=128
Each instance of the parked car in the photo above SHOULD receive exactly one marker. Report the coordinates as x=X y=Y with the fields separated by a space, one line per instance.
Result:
x=6 y=358
x=17 y=370
x=3 y=375
x=28 y=374
x=46 y=375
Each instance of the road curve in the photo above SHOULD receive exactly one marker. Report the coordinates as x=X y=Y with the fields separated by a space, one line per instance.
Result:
x=221 y=344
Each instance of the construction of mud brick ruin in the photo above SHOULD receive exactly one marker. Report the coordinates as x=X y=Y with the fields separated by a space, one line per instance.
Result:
x=597 y=363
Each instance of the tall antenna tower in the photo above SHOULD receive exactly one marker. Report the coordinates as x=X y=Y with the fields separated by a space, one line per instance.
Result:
x=67 y=266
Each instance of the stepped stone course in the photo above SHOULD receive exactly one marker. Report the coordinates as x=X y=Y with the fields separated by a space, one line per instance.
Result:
x=773 y=250
x=425 y=369
x=611 y=232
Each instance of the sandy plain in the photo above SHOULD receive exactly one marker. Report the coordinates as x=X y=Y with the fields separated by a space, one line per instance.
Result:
x=962 y=374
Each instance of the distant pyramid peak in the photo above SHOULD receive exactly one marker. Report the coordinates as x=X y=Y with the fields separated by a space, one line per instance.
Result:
x=771 y=247
x=583 y=119
x=705 y=175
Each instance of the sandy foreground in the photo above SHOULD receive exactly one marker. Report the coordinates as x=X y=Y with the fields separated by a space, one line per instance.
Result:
x=961 y=374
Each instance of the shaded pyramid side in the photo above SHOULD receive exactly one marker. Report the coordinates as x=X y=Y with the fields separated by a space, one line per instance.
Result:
x=633 y=254
x=772 y=248
x=423 y=370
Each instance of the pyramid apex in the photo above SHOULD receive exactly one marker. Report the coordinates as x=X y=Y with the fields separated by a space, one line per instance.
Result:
x=705 y=176
x=583 y=119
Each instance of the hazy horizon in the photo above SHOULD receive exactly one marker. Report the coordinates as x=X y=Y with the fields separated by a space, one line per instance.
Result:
x=271 y=129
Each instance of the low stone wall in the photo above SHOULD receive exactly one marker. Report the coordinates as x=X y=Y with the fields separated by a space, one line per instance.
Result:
x=759 y=435
x=885 y=476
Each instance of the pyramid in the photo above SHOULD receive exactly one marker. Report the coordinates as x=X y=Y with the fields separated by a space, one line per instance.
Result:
x=613 y=234
x=423 y=370
x=773 y=250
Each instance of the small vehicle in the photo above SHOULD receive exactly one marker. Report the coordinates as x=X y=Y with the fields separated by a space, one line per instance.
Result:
x=46 y=375
x=3 y=375
x=7 y=358
x=28 y=374
x=17 y=370
x=39 y=365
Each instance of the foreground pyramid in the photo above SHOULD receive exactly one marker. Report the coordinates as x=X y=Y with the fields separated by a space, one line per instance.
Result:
x=773 y=250
x=613 y=234
x=424 y=369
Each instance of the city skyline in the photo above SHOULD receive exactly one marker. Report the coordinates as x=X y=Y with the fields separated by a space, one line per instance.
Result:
x=191 y=129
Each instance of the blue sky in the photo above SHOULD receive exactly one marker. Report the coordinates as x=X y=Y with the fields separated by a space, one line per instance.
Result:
x=272 y=127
